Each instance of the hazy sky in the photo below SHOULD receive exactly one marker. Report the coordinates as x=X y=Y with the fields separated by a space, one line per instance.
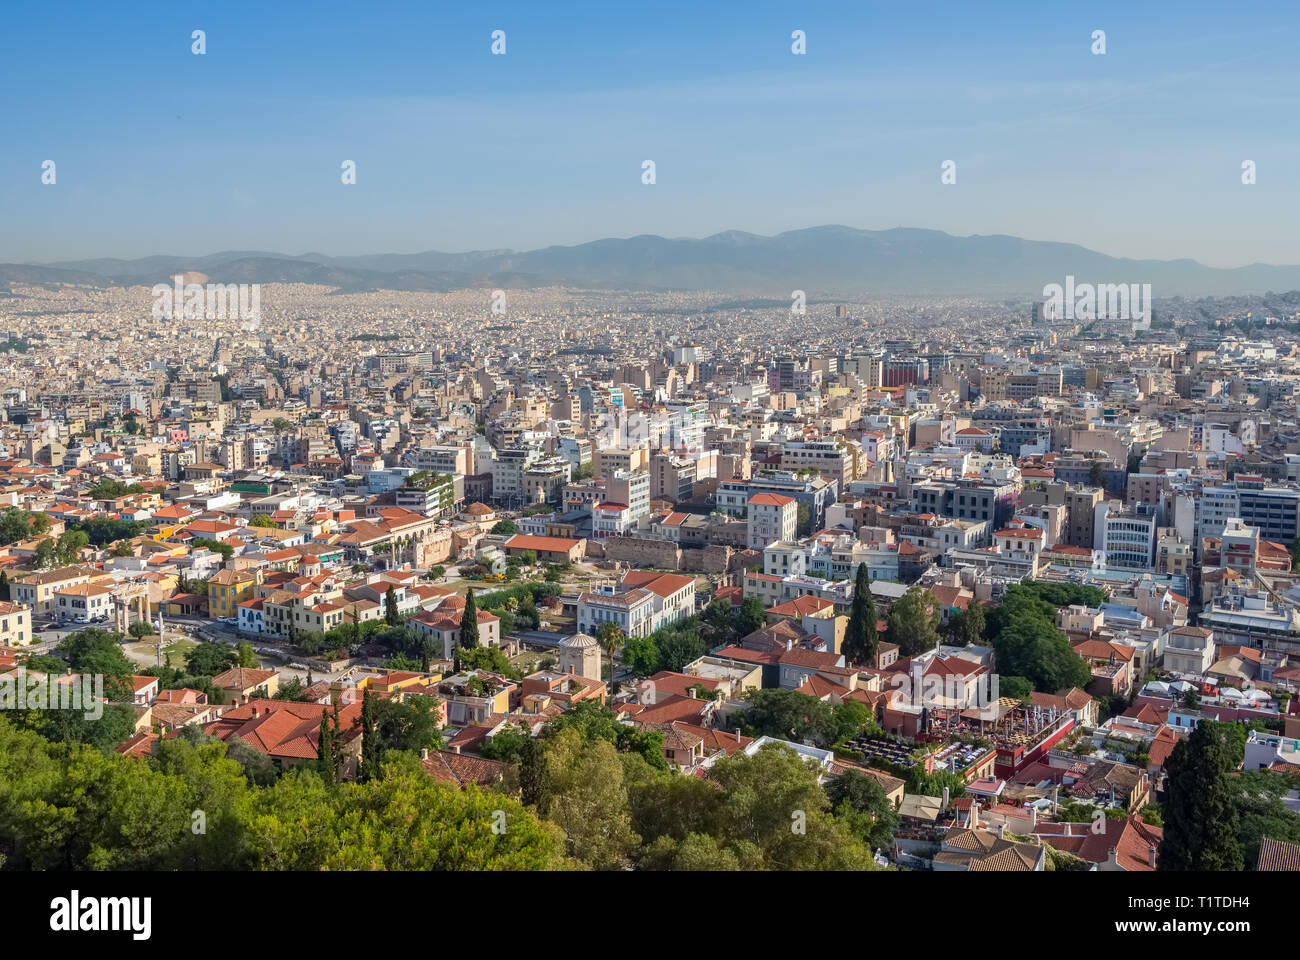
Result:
x=1134 y=153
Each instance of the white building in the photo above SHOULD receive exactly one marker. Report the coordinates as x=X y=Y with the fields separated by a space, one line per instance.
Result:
x=645 y=601
x=772 y=516
x=1189 y=650
x=1128 y=537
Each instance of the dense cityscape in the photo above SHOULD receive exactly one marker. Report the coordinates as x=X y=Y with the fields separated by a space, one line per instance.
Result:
x=585 y=443
x=948 y=584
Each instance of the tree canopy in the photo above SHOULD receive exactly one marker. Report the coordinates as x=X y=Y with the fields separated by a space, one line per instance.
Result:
x=1202 y=826
x=1026 y=641
x=914 y=622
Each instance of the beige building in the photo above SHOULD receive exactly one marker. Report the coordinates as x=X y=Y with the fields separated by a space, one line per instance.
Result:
x=84 y=602
x=580 y=654
x=15 y=624
x=38 y=590
x=608 y=461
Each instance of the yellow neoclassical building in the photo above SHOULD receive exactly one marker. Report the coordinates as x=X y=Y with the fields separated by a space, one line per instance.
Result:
x=227 y=589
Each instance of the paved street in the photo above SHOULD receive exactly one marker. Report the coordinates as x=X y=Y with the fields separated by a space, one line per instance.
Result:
x=197 y=629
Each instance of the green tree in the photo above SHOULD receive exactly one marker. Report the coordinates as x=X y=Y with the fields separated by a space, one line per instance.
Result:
x=581 y=790
x=292 y=689
x=695 y=851
x=216 y=546
x=372 y=748
x=67 y=806
x=967 y=627
x=1260 y=798
x=410 y=724
x=326 y=759
x=69 y=545
x=509 y=745
x=1036 y=650
x=402 y=820
x=860 y=801
x=641 y=655
x=678 y=645
x=914 y=622
x=861 y=638
x=505 y=528
x=798 y=717
x=933 y=784
x=490 y=658
x=209 y=659
x=1201 y=822
x=594 y=721
x=103 y=530
x=1234 y=737
x=803 y=520
x=46 y=554
x=752 y=616
x=718 y=622
x=610 y=637
x=1025 y=639
x=1015 y=688
x=391 y=616
x=15 y=525
x=469 y=622
x=110 y=489
x=772 y=804
x=97 y=652
x=113 y=726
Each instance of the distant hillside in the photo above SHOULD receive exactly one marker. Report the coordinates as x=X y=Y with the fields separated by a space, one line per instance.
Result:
x=830 y=260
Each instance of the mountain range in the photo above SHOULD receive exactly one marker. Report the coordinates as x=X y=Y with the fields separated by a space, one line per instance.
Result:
x=827 y=261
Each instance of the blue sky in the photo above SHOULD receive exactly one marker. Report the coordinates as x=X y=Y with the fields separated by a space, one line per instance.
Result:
x=1135 y=153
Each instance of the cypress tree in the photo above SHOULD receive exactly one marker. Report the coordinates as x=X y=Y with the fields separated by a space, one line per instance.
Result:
x=861 y=638
x=327 y=748
x=390 y=609
x=371 y=748
x=1201 y=829
x=469 y=622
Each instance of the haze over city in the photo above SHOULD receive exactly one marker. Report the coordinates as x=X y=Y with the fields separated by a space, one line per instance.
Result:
x=164 y=152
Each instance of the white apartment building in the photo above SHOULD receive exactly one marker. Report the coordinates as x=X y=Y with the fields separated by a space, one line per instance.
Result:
x=771 y=517
x=784 y=558
x=1127 y=537
x=630 y=488
x=1189 y=650
x=86 y=602
x=1273 y=508
x=827 y=457
x=645 y=601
